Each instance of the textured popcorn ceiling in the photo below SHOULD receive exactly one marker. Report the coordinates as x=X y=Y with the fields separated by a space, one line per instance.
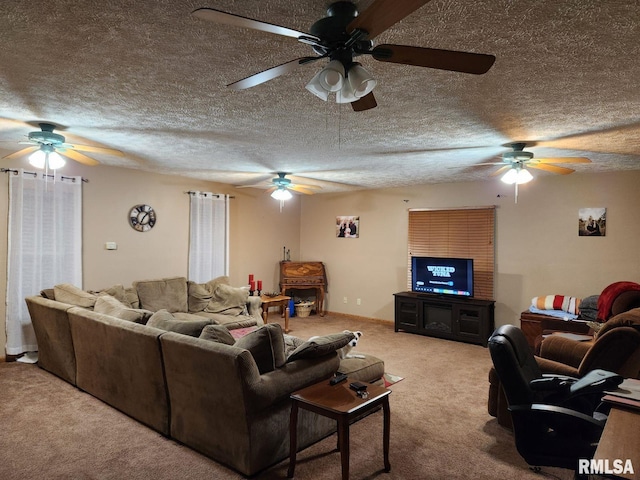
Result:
x=150 y=79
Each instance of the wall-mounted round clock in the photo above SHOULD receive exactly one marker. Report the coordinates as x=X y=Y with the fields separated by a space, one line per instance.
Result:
x=142 y=218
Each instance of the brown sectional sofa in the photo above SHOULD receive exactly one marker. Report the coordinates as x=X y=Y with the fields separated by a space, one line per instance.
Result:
x=209 y=396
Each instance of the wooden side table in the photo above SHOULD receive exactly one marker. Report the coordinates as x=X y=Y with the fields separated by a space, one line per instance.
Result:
x=620 y=439
x=281 y=301
x=342 y=404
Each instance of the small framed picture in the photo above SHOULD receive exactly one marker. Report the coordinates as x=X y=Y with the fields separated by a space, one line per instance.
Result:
x=592 y=222
x=347 y=226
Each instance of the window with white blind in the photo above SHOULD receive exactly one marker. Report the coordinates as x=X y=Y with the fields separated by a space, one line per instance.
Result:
x=457 y=233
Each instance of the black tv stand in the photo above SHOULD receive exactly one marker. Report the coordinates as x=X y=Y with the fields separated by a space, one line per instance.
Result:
x=465 y=319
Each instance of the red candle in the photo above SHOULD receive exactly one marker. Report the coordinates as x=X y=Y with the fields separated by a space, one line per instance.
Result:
x=252 y=284
x=250 y=278
x=259 y=284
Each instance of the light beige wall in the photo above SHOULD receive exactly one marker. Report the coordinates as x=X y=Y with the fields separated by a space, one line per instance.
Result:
x=258 y=229
x=538 y=251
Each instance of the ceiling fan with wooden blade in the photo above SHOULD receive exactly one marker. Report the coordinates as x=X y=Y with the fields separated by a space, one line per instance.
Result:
x=281 y=183
x=345 y=34
x=514 y=165
x=49 y=147
x=518 y=159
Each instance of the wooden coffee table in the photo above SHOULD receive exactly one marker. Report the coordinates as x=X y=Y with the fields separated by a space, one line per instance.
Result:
x=281 y=301
x=343 y=405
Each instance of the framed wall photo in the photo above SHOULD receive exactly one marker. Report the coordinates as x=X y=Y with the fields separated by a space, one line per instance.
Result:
x=347 y=226
x=592 y=222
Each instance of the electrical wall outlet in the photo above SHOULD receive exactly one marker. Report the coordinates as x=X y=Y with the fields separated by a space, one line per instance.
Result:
x=111 y=246
x=344 y=300
x=358 y=302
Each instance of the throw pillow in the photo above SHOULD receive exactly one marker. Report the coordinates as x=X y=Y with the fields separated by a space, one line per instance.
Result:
x=165 y=294
x=320 y=346
x=262 y=344
x=163 y=320
x=67 y=293
x=200 y=293
x=112 y=306
x=228 y=300
x=217 y=333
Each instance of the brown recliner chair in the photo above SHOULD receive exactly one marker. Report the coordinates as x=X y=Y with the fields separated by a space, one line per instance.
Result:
x=616 y=348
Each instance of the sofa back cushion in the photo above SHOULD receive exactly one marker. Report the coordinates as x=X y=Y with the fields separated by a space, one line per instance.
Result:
x=228 y=300
x=200 y=293
x=120 y=363
x=67 y=293
x=55 y=347
x=112 y=306
x=163 y=320
x=165 y=294
x=117 y=291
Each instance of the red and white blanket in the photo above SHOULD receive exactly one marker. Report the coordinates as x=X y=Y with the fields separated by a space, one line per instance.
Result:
x=557 y=302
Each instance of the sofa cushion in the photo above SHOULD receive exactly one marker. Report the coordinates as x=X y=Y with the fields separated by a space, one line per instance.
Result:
x=266 y=346
x=365 y=369
x=117 y=291
x=200 y=293
x=67 y=293
x=319 y=346
x=228 y=300
x=163 y=320
x=112 y=306
x=217 y=333
x=132 y=297
x=48 y=293
x=165 y=294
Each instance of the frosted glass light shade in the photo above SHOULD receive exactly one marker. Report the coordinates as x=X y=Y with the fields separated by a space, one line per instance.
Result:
x=55 y=161
x=332 y=76
x=361 y=81
x=281 y=194
x=346 y=95
x=517 y=175
x=329 y=79
x=40 y=159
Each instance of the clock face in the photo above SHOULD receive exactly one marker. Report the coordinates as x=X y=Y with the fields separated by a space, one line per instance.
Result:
x=142 y=218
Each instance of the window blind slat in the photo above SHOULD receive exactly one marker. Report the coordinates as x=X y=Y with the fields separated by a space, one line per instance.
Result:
x=462 y=233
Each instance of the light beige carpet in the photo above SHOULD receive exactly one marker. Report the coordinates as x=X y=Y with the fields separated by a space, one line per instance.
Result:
x=440 y=428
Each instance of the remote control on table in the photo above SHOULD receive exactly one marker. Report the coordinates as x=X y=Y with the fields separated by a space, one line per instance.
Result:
x=337 y=378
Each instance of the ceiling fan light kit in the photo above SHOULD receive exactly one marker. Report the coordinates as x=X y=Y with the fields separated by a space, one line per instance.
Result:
x=281 y=193
x=47 y=149
x=517 y=175
x=344 y=34
x=47 y=158
x=348 y=83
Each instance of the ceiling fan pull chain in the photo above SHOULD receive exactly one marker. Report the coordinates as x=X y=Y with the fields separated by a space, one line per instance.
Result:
x=339 y=125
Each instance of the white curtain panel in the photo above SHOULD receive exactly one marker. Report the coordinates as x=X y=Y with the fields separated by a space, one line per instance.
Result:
x=208 y=236
x=45 y=246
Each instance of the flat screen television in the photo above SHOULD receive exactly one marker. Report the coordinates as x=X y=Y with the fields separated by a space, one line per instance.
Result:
x=439 y=275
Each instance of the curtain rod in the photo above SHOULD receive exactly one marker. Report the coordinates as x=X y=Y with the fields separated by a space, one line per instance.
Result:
x=35 y=174
x=217 y=195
